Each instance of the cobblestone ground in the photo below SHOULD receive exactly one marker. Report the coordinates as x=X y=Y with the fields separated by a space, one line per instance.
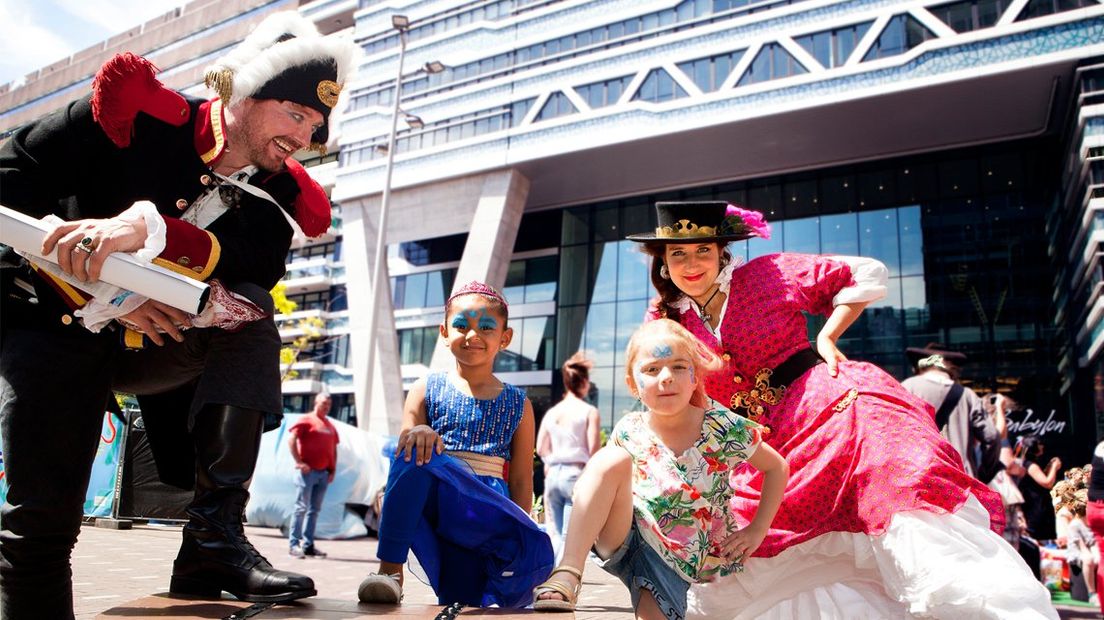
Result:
x=113 y=567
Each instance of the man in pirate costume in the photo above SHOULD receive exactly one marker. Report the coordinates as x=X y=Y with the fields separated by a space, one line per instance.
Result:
x=208 y=189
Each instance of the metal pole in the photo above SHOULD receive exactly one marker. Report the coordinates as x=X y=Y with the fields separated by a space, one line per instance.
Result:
x=380 y=267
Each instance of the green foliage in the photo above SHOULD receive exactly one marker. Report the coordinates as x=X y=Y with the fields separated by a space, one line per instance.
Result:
x=312 y=328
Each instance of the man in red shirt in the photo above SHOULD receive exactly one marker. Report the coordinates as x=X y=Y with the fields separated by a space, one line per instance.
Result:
x=313 y=445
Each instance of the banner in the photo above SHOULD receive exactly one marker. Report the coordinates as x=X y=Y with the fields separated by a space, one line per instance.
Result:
x=1053 y=428
x=99 y=499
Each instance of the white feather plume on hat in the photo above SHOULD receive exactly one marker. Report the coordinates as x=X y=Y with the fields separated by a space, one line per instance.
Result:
x=282 y=41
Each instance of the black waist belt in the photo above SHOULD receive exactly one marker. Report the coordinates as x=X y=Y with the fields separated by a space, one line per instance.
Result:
x=795 y=365
x=770 y=384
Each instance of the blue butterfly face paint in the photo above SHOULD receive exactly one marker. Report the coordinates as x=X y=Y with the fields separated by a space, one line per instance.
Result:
x=662 y=351
x=466 y=318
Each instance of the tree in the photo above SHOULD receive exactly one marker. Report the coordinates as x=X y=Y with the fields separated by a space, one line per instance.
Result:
x=311 y=327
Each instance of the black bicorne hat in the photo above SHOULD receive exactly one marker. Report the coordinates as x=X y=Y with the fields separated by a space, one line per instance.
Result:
x=286 y=58
x=702 y=222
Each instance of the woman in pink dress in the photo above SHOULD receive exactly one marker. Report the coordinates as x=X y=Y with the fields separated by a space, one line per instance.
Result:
x=879 y=519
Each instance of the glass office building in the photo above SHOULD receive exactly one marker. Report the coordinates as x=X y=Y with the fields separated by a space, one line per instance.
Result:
x=960 y=233
x=955 y=141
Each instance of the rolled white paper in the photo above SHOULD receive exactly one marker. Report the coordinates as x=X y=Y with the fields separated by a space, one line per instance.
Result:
x=25 y=234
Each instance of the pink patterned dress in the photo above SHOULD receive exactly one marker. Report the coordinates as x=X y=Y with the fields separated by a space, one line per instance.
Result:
x=878 y=519
x=859 y=446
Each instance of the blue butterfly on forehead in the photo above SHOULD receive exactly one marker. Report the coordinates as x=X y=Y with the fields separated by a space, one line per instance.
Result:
x=480 y=318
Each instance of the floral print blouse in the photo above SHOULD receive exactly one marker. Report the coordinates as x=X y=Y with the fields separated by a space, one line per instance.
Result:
x=680 y=502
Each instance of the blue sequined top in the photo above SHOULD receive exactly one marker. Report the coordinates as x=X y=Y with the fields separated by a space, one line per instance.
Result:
x=469 y=424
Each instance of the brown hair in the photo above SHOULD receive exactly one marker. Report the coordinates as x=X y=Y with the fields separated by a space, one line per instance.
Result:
x=704 y=360
x=576 y=373
x=668 y=292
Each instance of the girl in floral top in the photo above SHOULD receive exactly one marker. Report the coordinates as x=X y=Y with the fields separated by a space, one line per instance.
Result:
x=654 y=502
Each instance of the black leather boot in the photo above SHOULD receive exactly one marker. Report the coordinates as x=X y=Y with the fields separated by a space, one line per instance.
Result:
x=215 y=554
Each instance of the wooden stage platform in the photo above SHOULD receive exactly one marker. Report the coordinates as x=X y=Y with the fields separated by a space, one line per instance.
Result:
x=162 y=606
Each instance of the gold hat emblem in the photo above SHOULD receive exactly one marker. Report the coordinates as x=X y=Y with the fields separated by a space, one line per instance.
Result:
x=328 y=92
x=684 y=229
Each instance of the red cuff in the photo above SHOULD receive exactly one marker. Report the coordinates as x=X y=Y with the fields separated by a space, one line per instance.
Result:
x=189 y=251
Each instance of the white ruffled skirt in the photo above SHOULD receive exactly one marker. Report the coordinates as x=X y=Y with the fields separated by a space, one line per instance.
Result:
x=925 y=565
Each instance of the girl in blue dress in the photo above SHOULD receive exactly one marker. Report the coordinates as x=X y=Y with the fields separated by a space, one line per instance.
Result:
x=445 y=492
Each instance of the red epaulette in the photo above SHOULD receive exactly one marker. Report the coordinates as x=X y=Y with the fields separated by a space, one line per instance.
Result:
x=125 y=86
x=313 y=211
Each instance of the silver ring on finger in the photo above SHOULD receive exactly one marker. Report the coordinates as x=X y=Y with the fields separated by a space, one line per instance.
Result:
x=83 y=247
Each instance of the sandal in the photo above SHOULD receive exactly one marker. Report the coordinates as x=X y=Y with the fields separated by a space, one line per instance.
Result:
x=380 y=588
x=570 y=595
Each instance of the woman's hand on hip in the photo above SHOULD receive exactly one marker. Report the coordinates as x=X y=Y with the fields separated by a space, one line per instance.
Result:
x=827 y=349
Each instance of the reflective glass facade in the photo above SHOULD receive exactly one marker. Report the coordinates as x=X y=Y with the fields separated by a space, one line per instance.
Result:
x=959 y=232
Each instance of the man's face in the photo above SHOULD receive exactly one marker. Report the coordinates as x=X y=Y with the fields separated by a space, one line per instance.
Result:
x=322 y=405
x=269 y=131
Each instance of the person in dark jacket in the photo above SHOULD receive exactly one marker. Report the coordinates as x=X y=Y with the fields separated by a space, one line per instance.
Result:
x=208 y=189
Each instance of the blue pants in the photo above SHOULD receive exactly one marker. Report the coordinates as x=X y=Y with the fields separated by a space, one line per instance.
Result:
x=559 y=483
x=312 y=488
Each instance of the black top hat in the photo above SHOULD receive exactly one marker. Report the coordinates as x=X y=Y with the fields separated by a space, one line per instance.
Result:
x=695 y=222
x=935 y=348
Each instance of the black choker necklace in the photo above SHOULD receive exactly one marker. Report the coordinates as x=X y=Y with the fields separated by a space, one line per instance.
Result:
x=705 y=315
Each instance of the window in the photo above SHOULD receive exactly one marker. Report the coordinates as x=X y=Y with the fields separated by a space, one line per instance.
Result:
x=422 y=290
x=771 y=63
x=901 y=34
x=970 y=14
x=832 y=48
x=530 y=281
x=312 y=301
x=709 y=73
x=658 y=87
x=531 y=347
x=557 y=105
x=416 y=345
x=1039 y=8
x=311 y=251
x=601 y=94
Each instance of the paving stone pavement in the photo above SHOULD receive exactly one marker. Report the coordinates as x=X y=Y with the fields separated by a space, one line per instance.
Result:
x=112 y=567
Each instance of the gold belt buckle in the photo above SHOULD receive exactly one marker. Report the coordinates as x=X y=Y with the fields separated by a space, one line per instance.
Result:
x=755 y=400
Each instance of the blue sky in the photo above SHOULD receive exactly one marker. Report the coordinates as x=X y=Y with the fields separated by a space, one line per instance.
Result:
x=36 y=33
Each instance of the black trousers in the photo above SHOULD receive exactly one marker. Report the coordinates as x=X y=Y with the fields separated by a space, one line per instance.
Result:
x=54 y=385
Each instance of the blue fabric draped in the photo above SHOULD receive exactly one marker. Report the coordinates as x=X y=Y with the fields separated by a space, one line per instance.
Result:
x=474 y=544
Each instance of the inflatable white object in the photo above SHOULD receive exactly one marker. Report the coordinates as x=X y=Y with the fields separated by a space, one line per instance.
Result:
x=361 y=473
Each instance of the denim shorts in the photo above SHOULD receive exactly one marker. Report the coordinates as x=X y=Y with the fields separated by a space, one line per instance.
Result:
x=639 y=567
